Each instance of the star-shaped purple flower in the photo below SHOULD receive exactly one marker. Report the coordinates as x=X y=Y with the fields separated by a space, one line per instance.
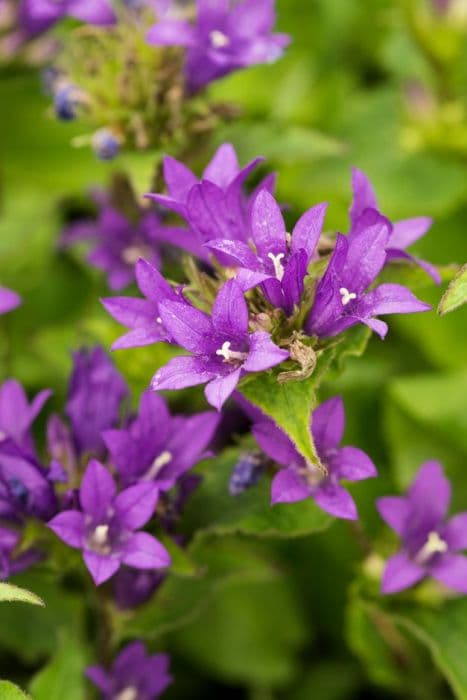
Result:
x=299 y=480
x=17 y=415
x=216 y=206
x=226 y=36
x=222 y=348
x=142 y=316
x=104 y=528
x=341 y=300
x=9 y=300
x=118 y=243
x=95 y=395
x=280 y=262
x=36 y=16
x=158 y=447
x=134 y=675
x=430 y=543
x=403 y=234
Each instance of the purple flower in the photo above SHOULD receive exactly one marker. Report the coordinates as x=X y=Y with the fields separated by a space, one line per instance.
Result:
x=133 y=587
x=158 y=447
x=142 y=315
x=222 y=348
x=36 y=16
x=216 y=206
x=10 y=563
x=105 y=526
x=95 y=394
x=117 y=243
x=17 y=415
x=341 y=301
x=403 y=233
x=299 y=479
x=9 y=300
x=226 y=36
x=430 y=543
x=133 y=676
x=279 y=263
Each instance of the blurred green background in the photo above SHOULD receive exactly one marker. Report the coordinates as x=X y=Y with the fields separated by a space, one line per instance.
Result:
x=291 y=623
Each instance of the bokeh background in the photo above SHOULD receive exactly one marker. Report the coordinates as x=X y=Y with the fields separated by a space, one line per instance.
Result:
x=360 y=85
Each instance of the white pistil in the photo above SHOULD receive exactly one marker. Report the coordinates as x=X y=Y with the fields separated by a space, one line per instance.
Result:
x=433 y=545
x=278 y=266
x=129 y=693
x=99 y=539
x=218 y=39
x=346 y=295
x=230 y=355
x=159 y=463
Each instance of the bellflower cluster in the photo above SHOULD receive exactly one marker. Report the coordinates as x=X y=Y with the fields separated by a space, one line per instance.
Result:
x=225 y=37
x=430 y=543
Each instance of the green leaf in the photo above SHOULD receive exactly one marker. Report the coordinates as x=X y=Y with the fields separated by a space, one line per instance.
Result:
x=11 y=593
x=456 y=294
x=63 y=676
x=8 y=691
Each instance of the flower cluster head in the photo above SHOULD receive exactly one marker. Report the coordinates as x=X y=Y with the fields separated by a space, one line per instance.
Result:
x=224 y=37
x=430 y=543
x=134 y=675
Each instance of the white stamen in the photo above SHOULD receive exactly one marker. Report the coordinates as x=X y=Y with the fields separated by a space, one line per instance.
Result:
x=278 y=266
x=158 y=319
x=346 y=295
x=229 y=354
x=433 y=545
x=101 y=534
x=218 y=39
x=159 y=463
x=129 y=693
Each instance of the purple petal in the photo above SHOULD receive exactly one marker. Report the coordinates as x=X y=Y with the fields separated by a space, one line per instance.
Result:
x=263 y=354
x=186 y=239
x=97 y=12
x=293 y=280
x=247 y=279
x=97 y=490
x=267 y=225
x=139 y=337
x=431 y=270
x=178 y=178
x=135 y=505
x=218 y=390
x=189 y=440
x=152 y=284
x=275 y=443
x=353 y=464
x=455 y=532
x=287 y=487
x=100 y=678
x=308 y=229
x=69 y=526
x=237 y=251
x=390 y=299
x=100 y=567
x=394 y=510
x=363 y=195
x=429 y=497
x=400 y=572
x=408 y=231
x=129 y=311
x=328 y=423
x=451 y=571
x=9 y=300
x=181 y=372
x=189 y=327
x=171 y=33
x=335 y=500
x=367 y=250
x=38 y=403
x=230 y=312
x=143 y=551
x=207 y=211
x=377 y=326
x=223 y=167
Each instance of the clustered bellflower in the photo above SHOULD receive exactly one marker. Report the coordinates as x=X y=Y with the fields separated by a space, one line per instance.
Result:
x=430 y=543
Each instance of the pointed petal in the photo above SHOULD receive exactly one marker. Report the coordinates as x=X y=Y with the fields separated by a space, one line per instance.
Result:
x=97 y=490
x=287 y=487
x=367 y=251
x=184 y=238
x=100 y=678
x=218 y=390
x=397 y=254
x=189 y=327
x=143 y=551
x=188 y=442
x=101 y=568
x=223 y=167
x=238 y=251
x=263 y=354
x=267 y=225
x=139 y=337
x=230 y=312
x=429 y=497
x=129 y=311
x=178 y=178
x=308 y=229
x=455 y=533
x=353 y=464
x=247 y=279
x=336 y=501
x=152 y=284
x=69 y=526
x=363 y=195
x=38 y=403
x=97 y=12
x=275 y=443
x=207 y=211
x=171 y=32
x=181 y=372
x=408 y=231
x=328 y=423
x=293 y=280
x=451 y=571
x=390 y=299
x=135 y=505
x=394 y=510
x=400 y=573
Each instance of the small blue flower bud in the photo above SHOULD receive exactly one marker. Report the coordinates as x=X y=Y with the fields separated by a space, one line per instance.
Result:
x=246 y=473
x=105 y=144
x=67 y=98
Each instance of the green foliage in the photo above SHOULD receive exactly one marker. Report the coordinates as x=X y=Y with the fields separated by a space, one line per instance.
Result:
x=63 y=676
x=456 y=293
x=11 y=593
x=8 y=691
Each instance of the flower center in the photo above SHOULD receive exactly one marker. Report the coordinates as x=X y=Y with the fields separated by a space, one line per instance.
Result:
x=346 y=295
x=159 y=463
x=311 y=475
x=218 y=39
x=230 y=355
x=129 y=693
x=133 y=253
x=433 y=545
x=99 y=540
x=278 y=266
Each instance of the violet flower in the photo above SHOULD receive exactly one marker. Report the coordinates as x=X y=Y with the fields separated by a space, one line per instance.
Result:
x=134 y=587
x=117 y=243
x=222 y=348
x=216 y=206
x=95 y=395
x=134 y=675
x=280 y=262
x=36 y=16
x=430 y=543
x=142 y=316
x=226 y=36
x=403 y=234
x=340 y=301
x=158 y=447
x=9 y=300
x=299 y=479
x=17 y=415
x=104 y=528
